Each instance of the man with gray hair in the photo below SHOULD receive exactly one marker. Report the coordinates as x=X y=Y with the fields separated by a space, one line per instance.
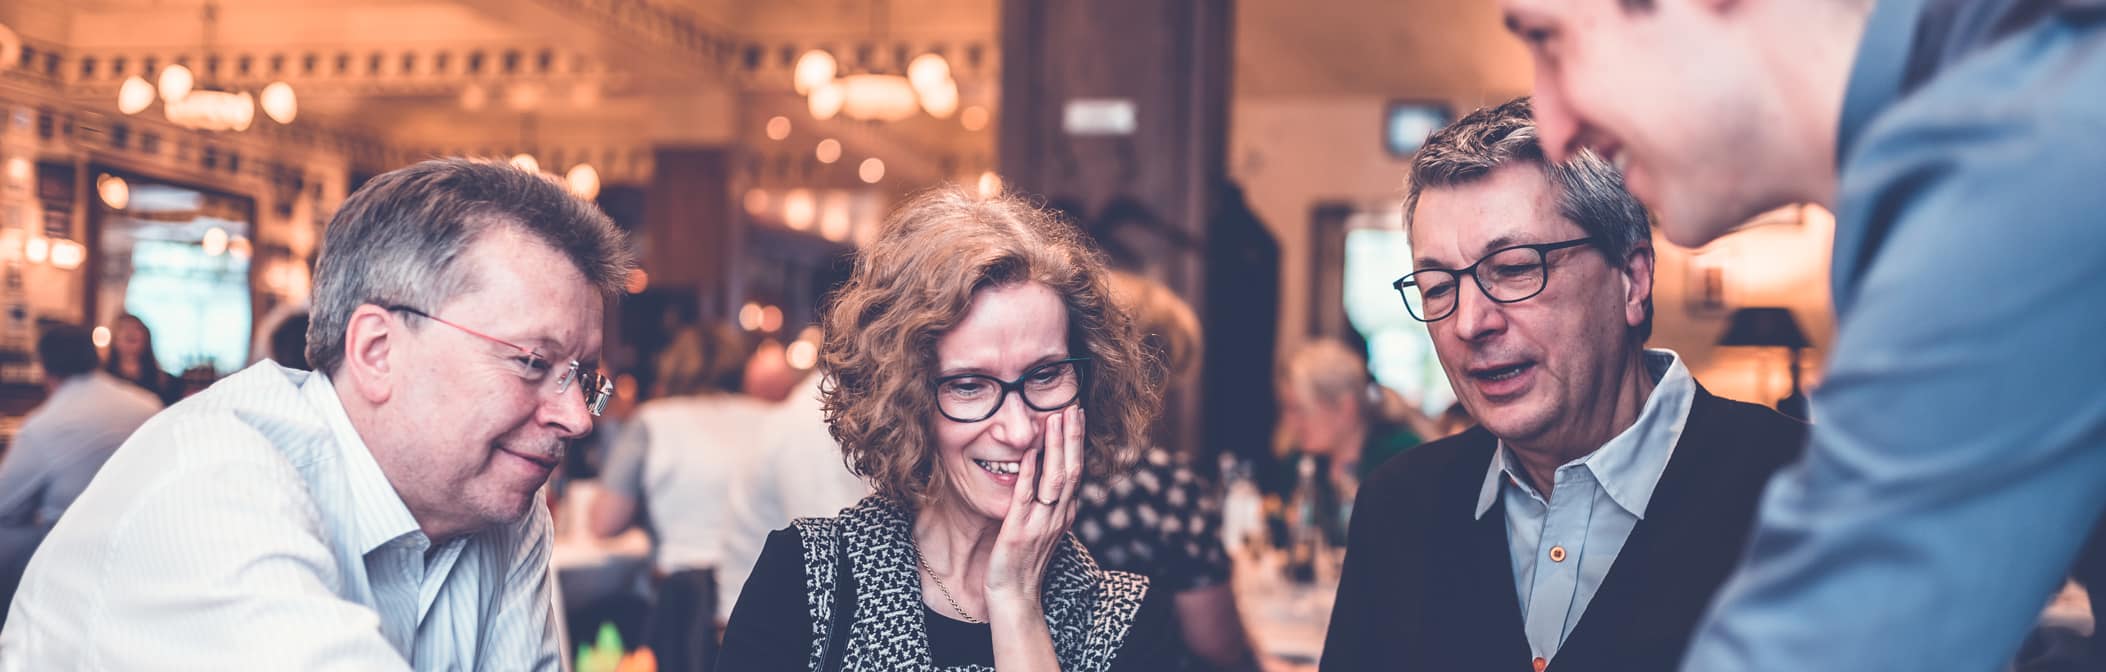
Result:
x=1602 y=482
x=382 y=511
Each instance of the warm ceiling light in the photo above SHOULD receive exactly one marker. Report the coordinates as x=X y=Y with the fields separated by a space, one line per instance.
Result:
x=814 y=68
x=771 y=319
x=526 y=162
x=135 y=95
x=175 y=83
x=36 y=249
x=102 y=337
x=973 y=118
x=750 y=316
x=826 y=100
x=209 y=110
x=638 y=281
x=801 y=355
x=474 y=97
x=239 y=247
x=990 y=184
x=584 y=181
x=114 y=191
x=869 y=97
x=67 y=254
x=778 y=128
x=799 y=209
x=928 y=71
x=834 y=220
x=942 y=100
x=872 y=170
x=19 y=169
x=828 y=151
x=215 y=242
x=279 y=103
x=756 y=202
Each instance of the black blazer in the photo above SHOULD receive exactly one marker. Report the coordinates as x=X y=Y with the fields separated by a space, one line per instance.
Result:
x=1428 y=586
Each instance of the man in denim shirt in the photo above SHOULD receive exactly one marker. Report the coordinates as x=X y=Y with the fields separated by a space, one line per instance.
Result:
x=1959 y=453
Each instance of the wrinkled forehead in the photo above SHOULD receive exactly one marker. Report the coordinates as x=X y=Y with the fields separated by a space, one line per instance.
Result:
x=1455 y=225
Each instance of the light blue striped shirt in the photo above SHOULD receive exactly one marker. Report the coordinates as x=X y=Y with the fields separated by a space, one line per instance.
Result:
x=249 y=528
x=1562 y=548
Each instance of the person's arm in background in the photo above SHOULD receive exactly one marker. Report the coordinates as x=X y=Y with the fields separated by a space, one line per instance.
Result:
x=1958 y=455
x=621 y=481
x=24 y=472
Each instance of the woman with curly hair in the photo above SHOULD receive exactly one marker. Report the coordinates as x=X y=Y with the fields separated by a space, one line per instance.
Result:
x=979 y=373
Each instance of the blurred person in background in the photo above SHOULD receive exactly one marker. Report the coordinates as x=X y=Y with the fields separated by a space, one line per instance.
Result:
x=132 y=360
x=1163 y=520
x=975 y=347
x=86 y=414
x=1333 y=417
x=1605 y=495
x=289 y=341
x=670 y=471
x=797 y=472
x=382 y=511
x=1958 y=463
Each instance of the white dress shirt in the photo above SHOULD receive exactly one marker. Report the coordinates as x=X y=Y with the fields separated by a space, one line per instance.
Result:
x=798 y=473
x=248 y=528
x=1563 y=547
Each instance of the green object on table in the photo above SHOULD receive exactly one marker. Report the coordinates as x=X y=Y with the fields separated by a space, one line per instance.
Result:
x=604 y=654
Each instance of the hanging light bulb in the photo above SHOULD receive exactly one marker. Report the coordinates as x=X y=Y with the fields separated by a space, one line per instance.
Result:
x=941 y=100
x=114 y=191
x=826 y=100
x=584 y=181
x=872 y=170
x=215 y=241
x=526 y=162
x=175 y=82
x=828 y=151
x=927 y=72
x=67 y=254
x=814 y=68
x=135 y=95
x=973 y=118
x=279 y=103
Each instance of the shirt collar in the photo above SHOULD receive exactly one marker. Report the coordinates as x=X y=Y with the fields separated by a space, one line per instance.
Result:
x=1628 y=467
x=377 y=514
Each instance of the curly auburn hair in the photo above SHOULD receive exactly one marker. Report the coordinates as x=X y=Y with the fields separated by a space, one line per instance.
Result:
x=915 y=282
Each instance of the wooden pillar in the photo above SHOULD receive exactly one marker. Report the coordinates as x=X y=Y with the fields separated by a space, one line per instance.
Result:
x=1118 y=111
x=691 y=237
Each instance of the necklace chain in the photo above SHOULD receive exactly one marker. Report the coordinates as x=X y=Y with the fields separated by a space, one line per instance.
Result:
x=942 y=588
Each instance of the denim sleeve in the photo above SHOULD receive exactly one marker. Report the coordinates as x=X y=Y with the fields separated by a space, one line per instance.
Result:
x=1958 y=456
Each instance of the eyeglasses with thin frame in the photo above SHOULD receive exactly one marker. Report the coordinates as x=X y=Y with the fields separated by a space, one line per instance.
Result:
x=598 y=389
x=1516 y=273
x=972 y=397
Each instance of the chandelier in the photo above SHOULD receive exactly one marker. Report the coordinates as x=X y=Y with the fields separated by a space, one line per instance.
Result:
x=185 y=103
x=872 y=96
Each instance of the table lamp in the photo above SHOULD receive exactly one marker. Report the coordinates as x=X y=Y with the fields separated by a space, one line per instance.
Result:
x=1771 y=328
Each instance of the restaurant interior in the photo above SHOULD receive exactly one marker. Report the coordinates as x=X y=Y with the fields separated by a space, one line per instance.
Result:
x=178 y=161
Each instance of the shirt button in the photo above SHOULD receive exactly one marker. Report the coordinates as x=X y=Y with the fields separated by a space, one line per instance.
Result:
x=1557 y=554
x=1541 y=663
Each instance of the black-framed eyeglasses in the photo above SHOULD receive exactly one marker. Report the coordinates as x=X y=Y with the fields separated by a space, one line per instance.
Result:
x=972 y=397
x=1507 y=275
x=534 y=367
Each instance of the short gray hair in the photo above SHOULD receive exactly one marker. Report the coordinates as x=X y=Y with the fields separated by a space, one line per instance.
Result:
x=1590 y=191
x=396 y=241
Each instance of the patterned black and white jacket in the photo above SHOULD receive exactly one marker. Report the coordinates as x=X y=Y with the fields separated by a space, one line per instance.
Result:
x=877 y=621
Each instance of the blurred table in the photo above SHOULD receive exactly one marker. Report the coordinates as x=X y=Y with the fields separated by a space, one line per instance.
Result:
x=1287 y=619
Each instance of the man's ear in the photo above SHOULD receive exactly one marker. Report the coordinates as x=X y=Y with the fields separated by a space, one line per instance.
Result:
x=368 y=347
x=1638 y=285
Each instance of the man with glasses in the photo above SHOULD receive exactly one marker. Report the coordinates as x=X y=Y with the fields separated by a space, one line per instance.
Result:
x=1586 y=521
x=382 y=511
